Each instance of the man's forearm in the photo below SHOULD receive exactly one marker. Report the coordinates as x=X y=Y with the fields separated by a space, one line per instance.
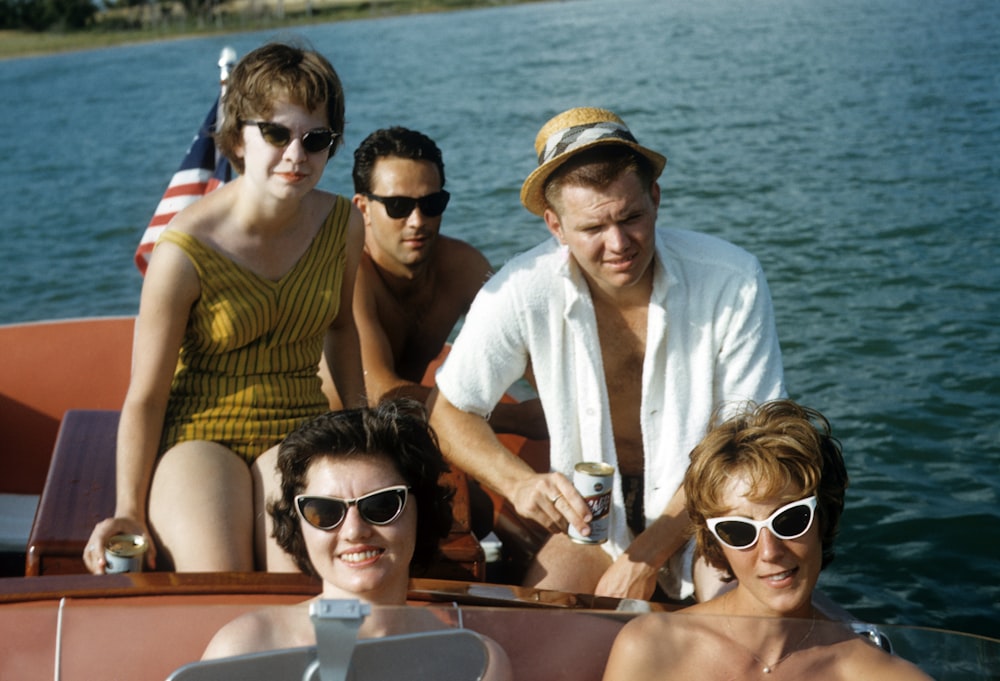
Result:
x=468 y=442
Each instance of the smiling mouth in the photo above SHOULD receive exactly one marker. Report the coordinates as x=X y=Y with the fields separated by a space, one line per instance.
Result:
x=780 y=576
x=361 y=556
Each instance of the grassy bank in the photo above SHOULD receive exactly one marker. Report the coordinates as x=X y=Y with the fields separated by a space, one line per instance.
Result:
x=232 y=17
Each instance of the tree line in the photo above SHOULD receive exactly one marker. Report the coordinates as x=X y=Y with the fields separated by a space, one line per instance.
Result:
x=70 y=15
x=44 y=15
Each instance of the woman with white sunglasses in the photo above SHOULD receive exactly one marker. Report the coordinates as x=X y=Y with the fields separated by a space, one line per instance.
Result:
x=765 y=491
x=360 y=505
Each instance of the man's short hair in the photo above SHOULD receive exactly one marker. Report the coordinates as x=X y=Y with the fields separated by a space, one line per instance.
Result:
x=395 y=141
x=598 y=167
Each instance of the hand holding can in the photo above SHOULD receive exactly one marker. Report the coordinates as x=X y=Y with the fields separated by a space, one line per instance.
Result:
x=594 y=480
x=125 y=553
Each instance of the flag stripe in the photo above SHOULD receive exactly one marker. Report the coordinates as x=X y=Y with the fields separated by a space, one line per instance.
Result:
x=203 y=170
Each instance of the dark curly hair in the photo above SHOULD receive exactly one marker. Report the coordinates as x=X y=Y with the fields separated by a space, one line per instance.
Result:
x=397 y=429
x=398 y=142
x=774 y=444
x=272 y=72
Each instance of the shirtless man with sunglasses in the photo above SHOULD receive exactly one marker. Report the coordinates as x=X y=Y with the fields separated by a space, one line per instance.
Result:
x=414 y=283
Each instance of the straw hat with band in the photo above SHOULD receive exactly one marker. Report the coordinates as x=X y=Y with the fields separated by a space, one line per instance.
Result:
x=570 y=133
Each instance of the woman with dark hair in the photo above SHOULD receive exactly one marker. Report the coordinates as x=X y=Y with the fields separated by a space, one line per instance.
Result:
x=765 y=491
x=392 y=439
x=360 y=505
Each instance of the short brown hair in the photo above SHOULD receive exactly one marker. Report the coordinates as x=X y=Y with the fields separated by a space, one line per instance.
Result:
x=273 y=72
x=598 y=167
x=774 y=444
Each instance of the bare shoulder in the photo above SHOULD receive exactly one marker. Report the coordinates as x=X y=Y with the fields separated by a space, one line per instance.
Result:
x=270 y=628
x=649 y=645
x=460 y=255
x=861 y=659
x=462 y=265
x=204 y=216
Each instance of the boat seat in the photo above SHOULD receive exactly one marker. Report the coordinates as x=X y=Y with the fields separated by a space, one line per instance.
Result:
x=79 y=492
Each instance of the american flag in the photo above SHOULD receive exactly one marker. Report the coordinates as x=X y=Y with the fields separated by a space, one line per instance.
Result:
x=202 y=170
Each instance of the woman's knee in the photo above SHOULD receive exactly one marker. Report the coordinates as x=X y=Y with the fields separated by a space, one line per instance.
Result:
x=564 y=565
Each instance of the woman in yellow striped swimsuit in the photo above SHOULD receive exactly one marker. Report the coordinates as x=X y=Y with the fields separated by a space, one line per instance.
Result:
x=245 y=291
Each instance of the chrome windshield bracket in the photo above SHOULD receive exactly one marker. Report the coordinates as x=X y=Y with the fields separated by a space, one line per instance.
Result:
x=337 y=623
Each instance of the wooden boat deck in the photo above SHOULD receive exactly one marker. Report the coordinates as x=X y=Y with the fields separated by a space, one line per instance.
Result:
x=143 y=626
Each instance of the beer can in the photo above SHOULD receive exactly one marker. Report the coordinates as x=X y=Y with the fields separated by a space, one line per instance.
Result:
x=124 y=553
x=594 y=481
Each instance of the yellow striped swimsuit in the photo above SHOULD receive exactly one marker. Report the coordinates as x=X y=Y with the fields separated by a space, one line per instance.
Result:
x=247 y=371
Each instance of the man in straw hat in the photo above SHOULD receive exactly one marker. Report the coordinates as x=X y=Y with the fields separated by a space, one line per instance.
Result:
x=635 y=336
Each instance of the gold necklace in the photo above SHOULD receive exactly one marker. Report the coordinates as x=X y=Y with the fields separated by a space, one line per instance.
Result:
x=766 y=668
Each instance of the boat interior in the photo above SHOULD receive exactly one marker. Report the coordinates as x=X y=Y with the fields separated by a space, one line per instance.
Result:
x=147 y=625
x=61 y=387
x=156 y=626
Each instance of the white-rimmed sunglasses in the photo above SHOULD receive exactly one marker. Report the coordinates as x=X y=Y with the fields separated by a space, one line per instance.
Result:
x=380 y=507
x=788 y=522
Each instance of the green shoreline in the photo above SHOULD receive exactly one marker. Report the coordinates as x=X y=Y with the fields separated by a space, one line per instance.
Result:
x=23 y=44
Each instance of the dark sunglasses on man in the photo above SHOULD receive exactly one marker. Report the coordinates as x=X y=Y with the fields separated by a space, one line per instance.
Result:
x=397 y=207
x=278 y=135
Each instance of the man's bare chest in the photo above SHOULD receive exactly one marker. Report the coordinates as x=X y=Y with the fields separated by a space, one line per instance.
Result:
x=417 y=329
x=623 y=349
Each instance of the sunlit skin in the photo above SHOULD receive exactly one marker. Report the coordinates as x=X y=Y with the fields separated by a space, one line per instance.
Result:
x=357 y=559
x=286 y=172
x=400 y=244
x=766 y=621
x=413 y=287
x=776 y=576
x=198 y=504
x=610 y=232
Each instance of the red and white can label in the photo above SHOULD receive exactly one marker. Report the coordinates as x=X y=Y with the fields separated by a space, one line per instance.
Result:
x=594 y=481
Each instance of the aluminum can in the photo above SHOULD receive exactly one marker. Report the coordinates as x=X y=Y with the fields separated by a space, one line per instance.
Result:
x=125 y=553
x=594 y=481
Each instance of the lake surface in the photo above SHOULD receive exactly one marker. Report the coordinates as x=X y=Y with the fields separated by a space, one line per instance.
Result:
x=853 y=146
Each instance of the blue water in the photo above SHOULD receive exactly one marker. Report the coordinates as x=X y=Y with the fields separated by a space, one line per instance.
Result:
x=854 y=146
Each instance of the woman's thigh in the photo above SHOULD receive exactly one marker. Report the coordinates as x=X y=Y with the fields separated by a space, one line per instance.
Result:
x=563 y=565
x=201 y=509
